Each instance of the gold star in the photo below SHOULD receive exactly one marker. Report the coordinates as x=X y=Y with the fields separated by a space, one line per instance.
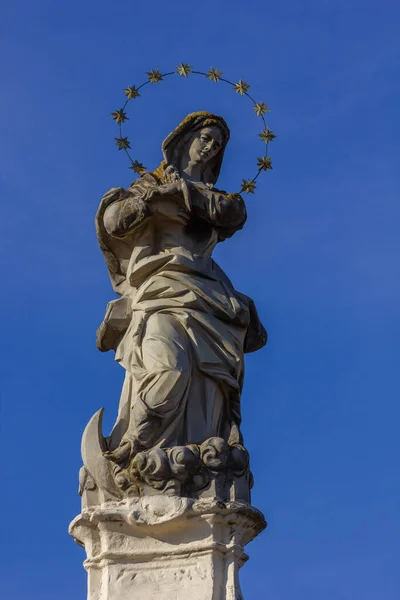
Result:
x=261 y=108
x=183 y=69
x=119 y=116
x=214 y=75
x=154 y=76
x=241 y=87
x=267 y=135
x=248 y=186
x=131 y=92
x=264 y=163
x=123 y=143
x=137 y=167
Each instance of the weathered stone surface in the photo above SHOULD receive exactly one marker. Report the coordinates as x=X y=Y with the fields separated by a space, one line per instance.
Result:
x=166 y=548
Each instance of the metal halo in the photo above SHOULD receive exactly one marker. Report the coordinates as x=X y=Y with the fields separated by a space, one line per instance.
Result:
x=184 y=70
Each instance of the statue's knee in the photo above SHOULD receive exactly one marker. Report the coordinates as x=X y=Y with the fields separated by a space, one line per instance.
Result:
x=179 y=375
x=163 y=392
x=165 y=347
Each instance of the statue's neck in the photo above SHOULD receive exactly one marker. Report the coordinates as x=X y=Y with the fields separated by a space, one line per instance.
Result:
x=191 y=171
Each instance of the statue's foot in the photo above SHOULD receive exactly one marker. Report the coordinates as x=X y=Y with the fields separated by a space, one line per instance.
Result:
x=124 y=452
x=120 y=454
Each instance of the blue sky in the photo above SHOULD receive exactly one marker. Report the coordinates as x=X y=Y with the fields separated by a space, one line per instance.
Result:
x=319 y=254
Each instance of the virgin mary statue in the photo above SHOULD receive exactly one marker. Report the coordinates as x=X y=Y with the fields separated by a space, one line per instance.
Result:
x=179 y=328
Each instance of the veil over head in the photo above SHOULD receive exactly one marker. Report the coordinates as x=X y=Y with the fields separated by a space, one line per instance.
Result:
x=173 y=144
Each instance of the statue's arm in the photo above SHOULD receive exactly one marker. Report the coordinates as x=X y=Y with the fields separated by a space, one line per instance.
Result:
x=226 y=212
x=126 y=213
x=143 y=199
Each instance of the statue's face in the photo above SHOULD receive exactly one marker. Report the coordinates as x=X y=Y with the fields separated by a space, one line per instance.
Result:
x=205 y=144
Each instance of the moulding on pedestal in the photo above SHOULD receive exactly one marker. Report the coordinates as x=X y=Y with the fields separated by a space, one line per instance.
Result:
x=166 y=548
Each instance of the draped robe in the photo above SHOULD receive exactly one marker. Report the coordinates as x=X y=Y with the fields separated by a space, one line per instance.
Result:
x=180 y=329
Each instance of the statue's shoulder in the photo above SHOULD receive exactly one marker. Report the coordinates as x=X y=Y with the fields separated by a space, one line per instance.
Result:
x=111 y=196
x=228 y=195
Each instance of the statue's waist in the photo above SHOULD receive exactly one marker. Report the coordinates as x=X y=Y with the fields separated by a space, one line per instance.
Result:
x=139 y=271
x=182 y=290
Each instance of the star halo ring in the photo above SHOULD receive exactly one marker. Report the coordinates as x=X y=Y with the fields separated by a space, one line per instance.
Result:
x=184 y=70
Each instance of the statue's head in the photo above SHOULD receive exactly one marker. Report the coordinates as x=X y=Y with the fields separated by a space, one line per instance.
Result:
x=201 y=138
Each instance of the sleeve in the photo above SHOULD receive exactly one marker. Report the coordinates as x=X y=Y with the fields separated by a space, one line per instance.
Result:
x=226 y=212
x=128 y=210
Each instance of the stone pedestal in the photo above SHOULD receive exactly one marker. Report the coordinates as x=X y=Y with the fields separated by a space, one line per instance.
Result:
x=166 y=548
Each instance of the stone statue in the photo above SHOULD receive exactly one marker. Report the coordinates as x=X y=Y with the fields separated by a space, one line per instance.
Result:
x=180 y=328
x=180 y=331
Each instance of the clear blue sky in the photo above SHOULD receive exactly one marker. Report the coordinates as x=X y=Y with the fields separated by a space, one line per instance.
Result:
x=319 y=254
